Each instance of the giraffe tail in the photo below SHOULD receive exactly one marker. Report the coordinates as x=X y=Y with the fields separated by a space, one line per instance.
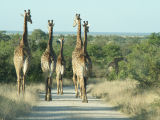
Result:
x=84 y=70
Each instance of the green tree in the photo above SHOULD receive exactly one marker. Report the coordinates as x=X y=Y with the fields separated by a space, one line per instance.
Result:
x=111 y=50
x=92 y=49
x=42 y=45
x=71 y=40
x=154 y=39
x=90 y=38
x=3 y=36
x=38 y=34
x=101 y=40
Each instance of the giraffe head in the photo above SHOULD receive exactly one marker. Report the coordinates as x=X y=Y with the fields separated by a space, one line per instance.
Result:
x=50 y=25
x=28 y=16
x=86 y=26
x=77 y=17
x=61 y=39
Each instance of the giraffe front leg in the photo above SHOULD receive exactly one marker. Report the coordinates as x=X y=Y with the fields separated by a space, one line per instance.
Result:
x=61 y=84
x=85 y=83
x=117 y=71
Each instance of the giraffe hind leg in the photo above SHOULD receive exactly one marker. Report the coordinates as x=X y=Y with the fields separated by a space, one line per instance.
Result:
x=46 y=89
x=49 y=98
x=25 y=70
x=74 y=80
x=61 y=84
x=57 y=78
x=18 y=65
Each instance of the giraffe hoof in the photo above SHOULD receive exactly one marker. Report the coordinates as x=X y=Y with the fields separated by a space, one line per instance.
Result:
x=80 y=97
x=76 y=95
x=49 y=98
x=86 y=101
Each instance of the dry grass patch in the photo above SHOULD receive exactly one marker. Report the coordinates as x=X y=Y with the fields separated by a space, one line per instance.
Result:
x=140 y=104
x=13 y=104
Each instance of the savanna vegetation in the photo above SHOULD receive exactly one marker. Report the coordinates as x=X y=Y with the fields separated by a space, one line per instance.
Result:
x=137 y=78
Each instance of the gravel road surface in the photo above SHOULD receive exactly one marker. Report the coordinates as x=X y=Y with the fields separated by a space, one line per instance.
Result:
x=67 y=107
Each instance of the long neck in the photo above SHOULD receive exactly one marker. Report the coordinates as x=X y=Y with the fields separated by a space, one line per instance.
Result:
x=79 y=41
x=25 y=32
x=119 y=59
x=61 y=52
x=50 y=39
x=85 y=40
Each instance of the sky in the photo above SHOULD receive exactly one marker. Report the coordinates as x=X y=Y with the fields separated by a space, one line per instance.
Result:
x=137 y=16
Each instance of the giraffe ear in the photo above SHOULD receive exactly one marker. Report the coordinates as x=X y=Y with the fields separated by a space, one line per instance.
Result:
x=59 y=40
x=64 y=40
x=22 y=15
x=88 y=25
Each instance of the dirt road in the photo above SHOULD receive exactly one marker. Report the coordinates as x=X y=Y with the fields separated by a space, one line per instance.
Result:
x=67 y=107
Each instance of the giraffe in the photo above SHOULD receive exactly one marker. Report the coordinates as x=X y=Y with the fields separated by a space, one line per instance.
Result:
x=114 y=64
x=22 y=54
x=81 y=62
x=48 y=62
x=76 y=52
x=87 y=64
x=60 y=68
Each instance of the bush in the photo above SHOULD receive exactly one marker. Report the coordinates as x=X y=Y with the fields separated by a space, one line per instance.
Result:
x=145 y=64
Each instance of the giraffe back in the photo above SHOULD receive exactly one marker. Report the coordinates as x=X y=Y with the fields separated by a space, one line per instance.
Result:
x=61 y=65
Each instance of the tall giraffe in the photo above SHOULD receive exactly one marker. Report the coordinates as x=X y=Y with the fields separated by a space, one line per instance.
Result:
x=86 y=59
x=48 y=62
x=114 y=64
x=76 y=52
x=60 y=68
x=22 y=54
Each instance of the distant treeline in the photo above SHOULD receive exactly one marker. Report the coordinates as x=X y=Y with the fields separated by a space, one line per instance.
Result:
x=142 y=54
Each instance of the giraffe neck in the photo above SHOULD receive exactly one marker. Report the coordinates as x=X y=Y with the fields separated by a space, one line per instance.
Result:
x=25 y=32
x=49 y=47
x=85 y=40
x=119 y=59
x=61 y=52
x=79 y=41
